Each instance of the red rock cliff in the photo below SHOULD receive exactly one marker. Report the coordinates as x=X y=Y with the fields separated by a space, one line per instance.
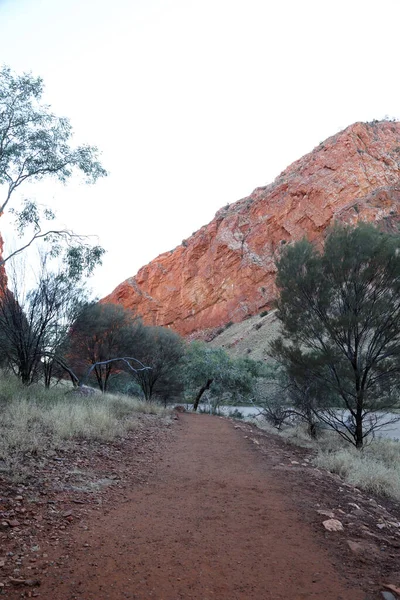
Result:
x=225 y=271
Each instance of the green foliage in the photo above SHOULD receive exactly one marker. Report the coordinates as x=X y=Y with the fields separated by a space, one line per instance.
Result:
x=162 y=350
x=263 y=313
x=340 y=312
x=226 y=378
x=101 y=332
x=35 y=145
x=108 y=332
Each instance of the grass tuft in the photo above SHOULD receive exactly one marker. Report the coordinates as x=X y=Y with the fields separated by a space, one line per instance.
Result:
x=375 y=469
x=34 y=419
x=366 y=470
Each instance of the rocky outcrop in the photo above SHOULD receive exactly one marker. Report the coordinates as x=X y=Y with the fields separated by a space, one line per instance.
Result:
x=226 y=271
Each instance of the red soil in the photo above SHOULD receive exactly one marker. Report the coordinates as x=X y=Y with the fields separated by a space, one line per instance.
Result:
x=215 y=521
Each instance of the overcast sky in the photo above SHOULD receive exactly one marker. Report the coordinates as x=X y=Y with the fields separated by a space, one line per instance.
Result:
x=194 y=103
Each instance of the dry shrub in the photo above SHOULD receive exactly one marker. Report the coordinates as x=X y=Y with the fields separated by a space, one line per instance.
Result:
x=375 y=469
x=362 y=470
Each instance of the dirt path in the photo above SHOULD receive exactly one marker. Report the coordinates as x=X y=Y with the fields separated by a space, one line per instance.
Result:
x=211 y=524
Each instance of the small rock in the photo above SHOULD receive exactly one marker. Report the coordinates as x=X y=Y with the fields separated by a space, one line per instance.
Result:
x=354 y=505
x=67 y=513
x=359 y=512
x=388 y=596
x=362 y=547
x=392 y=587
x=333 y=525
x=27 y=582
x=381 y=525
x=13 y=523
x=19 y=498
x=326 y=513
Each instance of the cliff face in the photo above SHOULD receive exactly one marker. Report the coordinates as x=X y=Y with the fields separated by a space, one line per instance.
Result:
x=225 y=271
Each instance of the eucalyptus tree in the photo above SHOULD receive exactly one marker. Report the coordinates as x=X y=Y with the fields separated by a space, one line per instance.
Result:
x=211 y=369
x=36 y=145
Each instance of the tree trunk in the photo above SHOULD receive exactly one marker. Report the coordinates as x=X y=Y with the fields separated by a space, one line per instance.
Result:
x=201 y=392
x=358 y=435
x=312 y=430
x=47 y=371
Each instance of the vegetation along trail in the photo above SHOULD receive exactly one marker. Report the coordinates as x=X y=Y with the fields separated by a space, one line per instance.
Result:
x=212 y=523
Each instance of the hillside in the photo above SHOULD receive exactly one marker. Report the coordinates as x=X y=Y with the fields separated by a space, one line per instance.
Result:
x=250 y=337
x=226 y=271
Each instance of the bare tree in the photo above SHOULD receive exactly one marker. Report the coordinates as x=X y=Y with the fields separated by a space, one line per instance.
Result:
x=34 y=323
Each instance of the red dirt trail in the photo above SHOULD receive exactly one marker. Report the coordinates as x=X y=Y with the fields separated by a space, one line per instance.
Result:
x=211 y=524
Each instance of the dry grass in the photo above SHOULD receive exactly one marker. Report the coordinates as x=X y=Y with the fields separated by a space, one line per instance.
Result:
x=35 y=419
x=375 y=469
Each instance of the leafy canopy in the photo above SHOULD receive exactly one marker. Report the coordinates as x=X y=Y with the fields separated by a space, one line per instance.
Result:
x=340 y=311
x=208 y=368
x=36 y=144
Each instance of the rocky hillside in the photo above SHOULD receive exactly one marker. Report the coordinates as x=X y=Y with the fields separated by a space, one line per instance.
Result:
x=225 y=271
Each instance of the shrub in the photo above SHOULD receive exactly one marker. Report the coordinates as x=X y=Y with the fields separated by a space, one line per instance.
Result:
x=236 y=414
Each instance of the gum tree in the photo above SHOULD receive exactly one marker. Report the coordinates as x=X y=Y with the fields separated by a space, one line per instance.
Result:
x=207 y=368
x=36 y=145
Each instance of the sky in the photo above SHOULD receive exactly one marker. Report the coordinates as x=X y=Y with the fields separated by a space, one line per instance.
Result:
x=194 y=103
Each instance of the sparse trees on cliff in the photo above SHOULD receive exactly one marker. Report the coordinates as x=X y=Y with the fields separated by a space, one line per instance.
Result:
x=340 y=312
x=35 y=145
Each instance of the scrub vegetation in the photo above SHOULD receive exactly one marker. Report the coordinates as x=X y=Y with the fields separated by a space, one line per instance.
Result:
x=376 y=469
